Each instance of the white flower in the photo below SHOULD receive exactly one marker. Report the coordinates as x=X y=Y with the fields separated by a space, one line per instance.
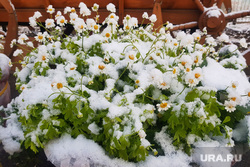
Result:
x=30 y=44
x=12 y=43
x=1 y=46
x=18 y=52
x=230 y=106
x=49 y=23
x=145 y=15
x=185 y=61
x=84 y=11
x=67 y=10
x=50 y=9
x=32 y=21
x=142 y=134
x=234 y=85
x=70 y=66
x=37 y=15
x=243 y=42
x=61 y=21
x=196 y=36
x=234 y=96
x=95 y=7
x=111 y=8
x=58 y=14
x=223 y=38
x=181 y=35
x=190 y=79
x=22 y=38
x=91 y=24
x=80 y=25
x=57 y=86
x=197 y=57
x=40 y=37
x=169 y=26
x=1 y=36
x=73 y=17
x=211 y=41
x=23 y=87
x=163 y=106
x=197 y=72
x=153 y=18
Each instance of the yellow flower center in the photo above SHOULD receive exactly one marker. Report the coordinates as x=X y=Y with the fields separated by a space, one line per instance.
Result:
x=112 y=16
x=191 y=81
x=233 y=86
x=163 y=105
x=137 y=81
x=188 y=70
x=81 y=26
x=127 y=27
x=233 y=98
x=248 y=94
x=96 y=27
x=73 y=10
x=72 y=68
x=197 y=75
x=50 y=9
x=59 y=85
x=62 y=21
x=132 y=57
x=183 y=63
x=107 y=35
x=40 y=37
x=22 y=87
x=196 y=60
x=164 y=84
x=175 y=44
x=101 y=67
x=174 y=71
x=43 y=58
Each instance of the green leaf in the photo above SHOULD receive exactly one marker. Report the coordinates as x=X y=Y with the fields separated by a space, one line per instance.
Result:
x=193 y=94
x=227 y=119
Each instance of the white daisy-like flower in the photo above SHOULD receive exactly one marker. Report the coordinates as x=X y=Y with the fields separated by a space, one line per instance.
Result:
x=90 y=24
x=190 y=80
x=185 y=61
x=234 y=85
x=73 y=17
x=223 y=38
x=230 y=106
x=145 y=15
x=40 y=37
x=80 y=25
x=153 y=18
x=169 y=26
x=197 y=72
x=196 y=36
x=22 y=38
x=12 y=43
x=67 y=9
x=49 y=23
x=18 y=52
x=70 y=67
x=234 y=96
x=57 y=86
x=142 y=134
x=95 y=7
x=84 y=10
x=32 y=21
x=37 y=15
x=163 y=106
x=243 y=42
x=211 y=41
x=197 y=58
x=1 y=46
x=58 y=14
x=23 y=87
x=50 y=9
x=61 y=21
x=111 y=7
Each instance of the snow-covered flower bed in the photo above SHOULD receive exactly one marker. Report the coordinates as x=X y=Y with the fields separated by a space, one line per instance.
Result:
x=123 y=96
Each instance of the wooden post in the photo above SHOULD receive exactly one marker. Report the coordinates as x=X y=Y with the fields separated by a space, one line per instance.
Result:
x=121 y=11
x=12 y=27
x=158 y=13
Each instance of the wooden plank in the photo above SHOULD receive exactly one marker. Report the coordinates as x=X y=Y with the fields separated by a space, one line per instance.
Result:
x=173 y=16
x=121 y=11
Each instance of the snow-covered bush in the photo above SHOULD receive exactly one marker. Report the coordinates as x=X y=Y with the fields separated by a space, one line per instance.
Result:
x=133 y=91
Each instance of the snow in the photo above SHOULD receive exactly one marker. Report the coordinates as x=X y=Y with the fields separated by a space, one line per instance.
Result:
x=215 y=75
